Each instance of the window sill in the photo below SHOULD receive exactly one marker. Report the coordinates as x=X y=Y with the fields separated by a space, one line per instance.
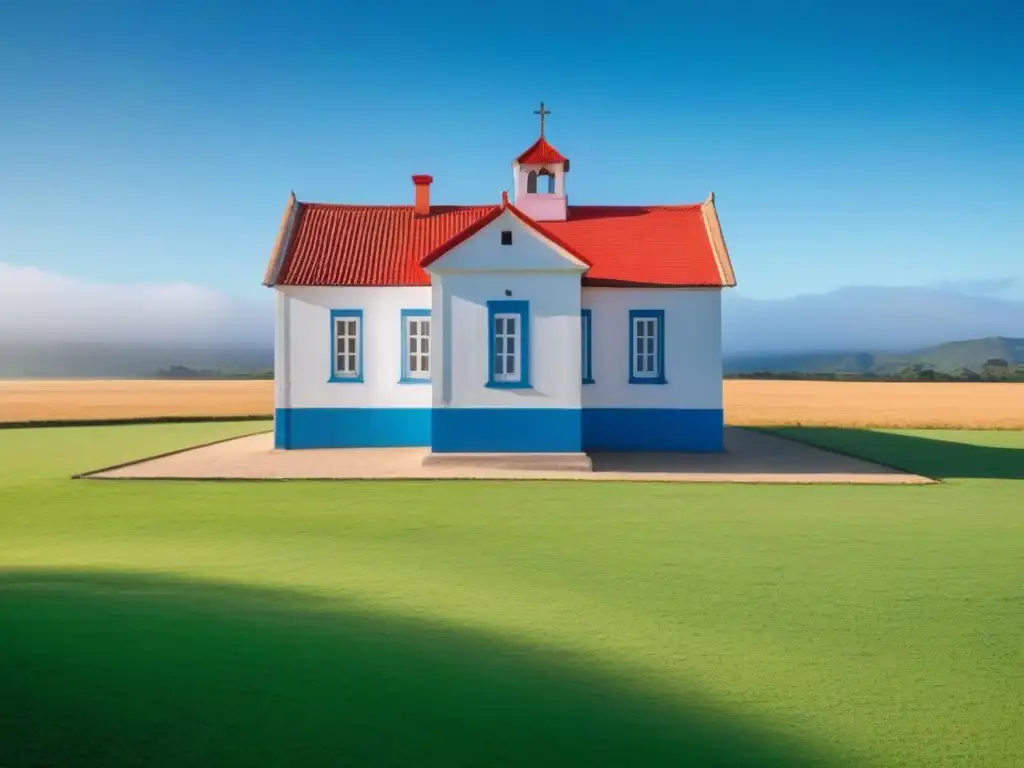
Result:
x=508 y=385
x=345 y=380
x=588 y=381
x=407 y=380
x=654 y=380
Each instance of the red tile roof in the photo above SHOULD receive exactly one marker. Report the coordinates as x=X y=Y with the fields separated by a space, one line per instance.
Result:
x=389 y=245
x=651 y=245
x=542 y=152
x=369 y=244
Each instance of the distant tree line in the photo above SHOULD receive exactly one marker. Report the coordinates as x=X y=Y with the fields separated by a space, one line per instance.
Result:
x=995 y=369
x=182 y=372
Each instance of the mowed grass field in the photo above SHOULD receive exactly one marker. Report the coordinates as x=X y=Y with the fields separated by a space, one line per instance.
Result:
x=871 y=404
x=169 y=624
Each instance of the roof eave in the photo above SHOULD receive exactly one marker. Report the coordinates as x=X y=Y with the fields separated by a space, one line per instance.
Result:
x=713 y=227
x=612 y=282
x=282 y=241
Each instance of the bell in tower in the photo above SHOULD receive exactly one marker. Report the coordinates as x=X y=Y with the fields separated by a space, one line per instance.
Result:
x=539 y=178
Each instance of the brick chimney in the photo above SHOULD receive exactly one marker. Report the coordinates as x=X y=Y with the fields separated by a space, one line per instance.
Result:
x=422 y=204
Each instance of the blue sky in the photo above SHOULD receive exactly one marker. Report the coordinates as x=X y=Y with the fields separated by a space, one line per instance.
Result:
x=847 y=143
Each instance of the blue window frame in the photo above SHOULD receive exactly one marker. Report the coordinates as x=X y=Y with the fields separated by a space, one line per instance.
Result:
x=508 y=347
x=586 y=345
x=346 y=346
x=415 y=346
x=646 y=346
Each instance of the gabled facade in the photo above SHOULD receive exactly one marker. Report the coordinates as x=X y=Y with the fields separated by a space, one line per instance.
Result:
x=527 y=326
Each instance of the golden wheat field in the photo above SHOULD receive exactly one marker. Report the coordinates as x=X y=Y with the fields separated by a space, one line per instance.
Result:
x=876 y=404
x=868 y=404
x=61 y=399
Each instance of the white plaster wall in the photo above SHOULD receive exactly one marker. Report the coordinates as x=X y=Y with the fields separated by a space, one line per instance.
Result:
x=693 y=348
x=693 y=363
x=521 y=175
x=302 y=354
x=540 y=206
x=543 y=207
x=482 y=269
x=461 y=367
x=282 y=355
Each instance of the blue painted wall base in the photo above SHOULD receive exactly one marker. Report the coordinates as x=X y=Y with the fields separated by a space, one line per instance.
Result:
x=502 y=430
x=506 y=430
x=653 y=430
x=351 y=427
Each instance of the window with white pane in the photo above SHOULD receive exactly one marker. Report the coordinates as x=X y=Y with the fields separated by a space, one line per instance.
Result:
x=347 y=345
x=647 y=347
x=507 y=347
x=415 y=345
x=509 y=344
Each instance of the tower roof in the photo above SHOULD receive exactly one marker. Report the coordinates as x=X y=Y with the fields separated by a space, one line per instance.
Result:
x=542 y=153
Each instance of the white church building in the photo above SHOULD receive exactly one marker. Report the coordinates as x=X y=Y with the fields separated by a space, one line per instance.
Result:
x=527 y=326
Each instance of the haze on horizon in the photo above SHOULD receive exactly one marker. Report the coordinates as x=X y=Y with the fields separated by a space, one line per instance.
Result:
x=40 y=308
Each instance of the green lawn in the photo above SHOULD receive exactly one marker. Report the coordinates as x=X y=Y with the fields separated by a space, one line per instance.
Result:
x=427 y=623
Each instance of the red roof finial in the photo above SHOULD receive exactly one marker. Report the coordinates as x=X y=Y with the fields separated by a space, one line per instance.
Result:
x=504 y=198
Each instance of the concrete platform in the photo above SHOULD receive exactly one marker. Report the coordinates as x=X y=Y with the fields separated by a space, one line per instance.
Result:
x=529 y=462
x=750 y=457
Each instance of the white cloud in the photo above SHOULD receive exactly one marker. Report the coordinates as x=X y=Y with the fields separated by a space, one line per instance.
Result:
x=40 y=306
x=36 y=305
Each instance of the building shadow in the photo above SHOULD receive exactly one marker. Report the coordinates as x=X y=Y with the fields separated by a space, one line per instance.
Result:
x=932 y=457
x=747 y=452
x=114 y=669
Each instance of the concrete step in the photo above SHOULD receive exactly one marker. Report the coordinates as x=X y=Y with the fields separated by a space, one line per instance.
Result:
x=537 y=462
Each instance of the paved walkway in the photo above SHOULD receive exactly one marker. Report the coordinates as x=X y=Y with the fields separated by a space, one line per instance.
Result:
x=751 y=457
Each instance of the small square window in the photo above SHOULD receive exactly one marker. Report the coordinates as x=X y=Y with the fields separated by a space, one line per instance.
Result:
x=506 y=237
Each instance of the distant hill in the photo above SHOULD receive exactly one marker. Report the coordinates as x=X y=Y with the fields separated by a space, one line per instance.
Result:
x=952 y=357
x=90 y=360
x=184 y=373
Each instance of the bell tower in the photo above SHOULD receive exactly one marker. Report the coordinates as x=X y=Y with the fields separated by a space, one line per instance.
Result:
x=539 y=178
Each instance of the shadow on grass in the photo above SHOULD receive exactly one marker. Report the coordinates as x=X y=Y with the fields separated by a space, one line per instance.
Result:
x=935 y=458
x=105 y=670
